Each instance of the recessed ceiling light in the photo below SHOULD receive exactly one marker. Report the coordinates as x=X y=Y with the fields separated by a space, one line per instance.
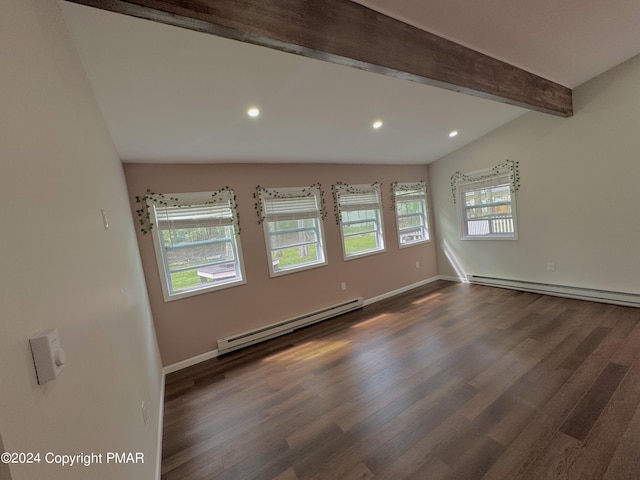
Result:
x=453 y=134
x=377 y=124
x=253 y=112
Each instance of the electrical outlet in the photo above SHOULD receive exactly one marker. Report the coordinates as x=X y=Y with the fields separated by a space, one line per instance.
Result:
x=417 y=264
x=343 y=286
x=551 y=266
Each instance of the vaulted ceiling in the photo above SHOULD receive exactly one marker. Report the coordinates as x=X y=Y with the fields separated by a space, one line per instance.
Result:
x=170 y=94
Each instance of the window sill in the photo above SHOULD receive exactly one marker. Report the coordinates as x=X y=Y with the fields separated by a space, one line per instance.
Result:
x=293 y=269
x=201 y=290
x=413 y=244
x=353 y=256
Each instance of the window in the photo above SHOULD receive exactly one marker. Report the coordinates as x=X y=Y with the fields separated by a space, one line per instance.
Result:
x=292 y=219
x=488 y=208
x=411 y=212
x=196 y=243
x=359 y=215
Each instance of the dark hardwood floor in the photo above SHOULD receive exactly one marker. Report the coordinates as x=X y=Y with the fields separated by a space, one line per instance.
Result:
x=448 y=381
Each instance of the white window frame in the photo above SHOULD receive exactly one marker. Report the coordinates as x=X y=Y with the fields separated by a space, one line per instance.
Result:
x=293 y=203
x=498 y=225
x=354 y=198
x=207 y=209
x=411 y=192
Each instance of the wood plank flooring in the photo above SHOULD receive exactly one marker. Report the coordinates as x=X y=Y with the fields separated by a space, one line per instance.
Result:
x=448 y=381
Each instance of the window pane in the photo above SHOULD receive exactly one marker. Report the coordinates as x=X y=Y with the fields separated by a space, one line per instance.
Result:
x=487 y=209
x=360 y=231
x=413 y=236
x=190 y=247
x=490 y=226
x=293 y=229
x=196 y=244
x=413 y=206
x=502 y=225
x=411 y=229
x=410 y=221
x=479 y=212
x=411 y=213
x=282 y=240
x=199 y=256
x=479 y=227
x=294 y=243
x=501 y=193
x=295 y=256
x=294 y=232
x=361 y=243
x=360 y=219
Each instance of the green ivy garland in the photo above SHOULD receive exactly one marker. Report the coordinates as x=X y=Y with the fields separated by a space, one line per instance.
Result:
x=144 y=216
x=262 y=192
x=511 y=167
x=339 y=187
x=405 y=187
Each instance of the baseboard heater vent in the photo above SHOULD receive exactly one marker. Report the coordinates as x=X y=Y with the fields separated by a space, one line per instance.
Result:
x=580 y=293
x=235 y=342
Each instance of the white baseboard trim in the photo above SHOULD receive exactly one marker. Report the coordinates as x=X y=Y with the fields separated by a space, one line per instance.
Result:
x=453 y=279
x=393 y=293
x=214 y=353
x=567 y=291
x=160 y=428
x=189 y=362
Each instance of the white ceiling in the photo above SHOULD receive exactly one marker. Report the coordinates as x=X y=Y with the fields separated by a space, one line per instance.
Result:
x=173 y=95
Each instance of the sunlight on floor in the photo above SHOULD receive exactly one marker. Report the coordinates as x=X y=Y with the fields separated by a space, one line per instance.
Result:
x=309 y=350
x=371 y=321
x=428 y=298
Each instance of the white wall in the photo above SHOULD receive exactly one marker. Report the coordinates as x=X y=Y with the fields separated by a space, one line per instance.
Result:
x=61 y=269
x=5 y=474
x=577 y=205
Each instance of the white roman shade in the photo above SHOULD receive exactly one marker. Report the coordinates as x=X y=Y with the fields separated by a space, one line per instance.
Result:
x=195 y=210
x=290 y=204
x=357 y=197
x=409 y=191
x=484 y=182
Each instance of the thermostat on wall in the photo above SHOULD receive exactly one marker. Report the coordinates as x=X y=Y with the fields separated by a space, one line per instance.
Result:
x=48 y=355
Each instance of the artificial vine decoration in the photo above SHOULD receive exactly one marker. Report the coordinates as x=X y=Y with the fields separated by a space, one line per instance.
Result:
x=510 y=167
x=263 y=193
x=144 y=216
x=405 y=187
x=339 y=188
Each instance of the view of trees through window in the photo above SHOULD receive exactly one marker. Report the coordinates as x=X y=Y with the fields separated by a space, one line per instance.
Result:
x=294 y=242
x=360 y=231
x=189 y=250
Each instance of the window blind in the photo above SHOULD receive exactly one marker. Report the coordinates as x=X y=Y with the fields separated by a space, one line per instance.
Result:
x=291 y=205
x=364 y=198
x=196 y=210
x=405 y=192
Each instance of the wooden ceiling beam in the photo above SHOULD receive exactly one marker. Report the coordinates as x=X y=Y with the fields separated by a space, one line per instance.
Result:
x=346 y=33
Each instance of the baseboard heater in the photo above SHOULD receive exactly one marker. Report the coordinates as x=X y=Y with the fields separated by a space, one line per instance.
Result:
x=235 y=342
x=580 y=293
